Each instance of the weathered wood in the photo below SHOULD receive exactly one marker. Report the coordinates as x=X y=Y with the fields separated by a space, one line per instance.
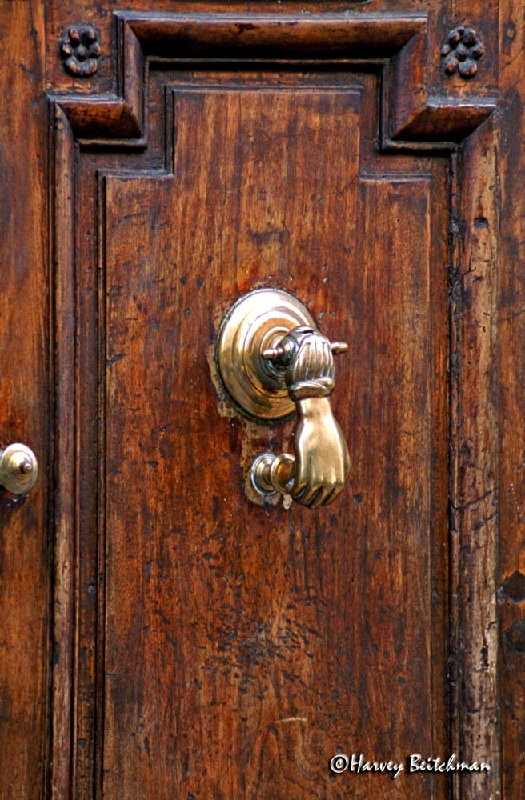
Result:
x=397 y=44
x=25 y=568
x=217 y=199
x=511 y=565
x=62 y=188
x=228 y=609
x=204 y=645
x=474 y=449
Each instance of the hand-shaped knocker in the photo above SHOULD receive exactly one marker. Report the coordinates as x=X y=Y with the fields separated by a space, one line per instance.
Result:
x=273 y=360
x=318 y=472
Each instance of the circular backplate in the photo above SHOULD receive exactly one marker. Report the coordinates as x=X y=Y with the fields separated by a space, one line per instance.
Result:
x=256 y=322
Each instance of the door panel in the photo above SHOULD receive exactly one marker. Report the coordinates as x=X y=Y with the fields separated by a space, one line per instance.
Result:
x=233 y=661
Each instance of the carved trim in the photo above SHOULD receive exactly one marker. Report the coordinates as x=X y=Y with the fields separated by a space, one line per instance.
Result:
x=80 y=50
x=62 y=254
x=474 y=441
x=462 y=50
x=397 y=45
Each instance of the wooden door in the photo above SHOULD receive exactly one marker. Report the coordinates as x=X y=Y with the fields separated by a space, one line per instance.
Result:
x=168 y=634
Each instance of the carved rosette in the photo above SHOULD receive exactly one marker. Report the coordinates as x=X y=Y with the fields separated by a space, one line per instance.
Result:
x=462 y=50
x=80 y=50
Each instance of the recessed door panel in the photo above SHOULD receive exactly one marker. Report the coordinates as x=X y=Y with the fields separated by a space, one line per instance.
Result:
x=244 y=644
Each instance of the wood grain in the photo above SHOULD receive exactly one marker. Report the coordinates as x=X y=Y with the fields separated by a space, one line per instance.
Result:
x=241 y=618
x=511 y=564
x=474 y=495
x=396 y=45
x=209 y=647
x=204 y=643
x=25 y=566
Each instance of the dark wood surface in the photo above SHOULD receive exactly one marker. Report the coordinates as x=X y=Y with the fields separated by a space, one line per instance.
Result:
x=25 y=532
x=511 y=394
x=163 y=635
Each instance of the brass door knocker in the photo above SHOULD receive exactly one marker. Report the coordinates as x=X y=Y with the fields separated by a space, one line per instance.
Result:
x=273 y=360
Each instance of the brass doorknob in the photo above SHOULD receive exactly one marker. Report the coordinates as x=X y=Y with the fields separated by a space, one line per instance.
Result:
x=273 y=360
x=18 y=468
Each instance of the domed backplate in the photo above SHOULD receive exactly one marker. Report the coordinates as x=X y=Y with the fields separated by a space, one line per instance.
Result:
x=18 y=468
x=258 y=321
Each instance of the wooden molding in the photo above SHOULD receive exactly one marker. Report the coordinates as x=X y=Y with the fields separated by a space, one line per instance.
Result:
x=410 y=117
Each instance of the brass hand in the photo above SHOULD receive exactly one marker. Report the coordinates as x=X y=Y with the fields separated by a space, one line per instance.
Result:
x=317 y=474
x=322 y=461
